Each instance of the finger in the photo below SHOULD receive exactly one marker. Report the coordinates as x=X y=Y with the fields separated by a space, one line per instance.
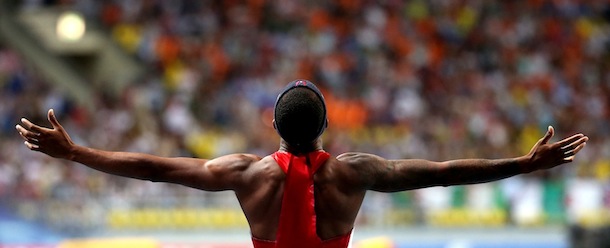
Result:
x=31 y=146
x=569 y=140
x=29 y=139
x=23 y=136
x=576 y=150
x=549 y=134
x=26 y=133
x=53 y=119
x=31 y=126
x=575 y=143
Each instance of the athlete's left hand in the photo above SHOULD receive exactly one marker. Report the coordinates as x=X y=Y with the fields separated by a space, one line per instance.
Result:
x=545 y=156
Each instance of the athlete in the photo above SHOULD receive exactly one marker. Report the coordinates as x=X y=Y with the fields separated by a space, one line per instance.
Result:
x=300 y=196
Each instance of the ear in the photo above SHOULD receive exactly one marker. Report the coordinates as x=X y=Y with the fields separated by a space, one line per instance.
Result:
x=274 y=125
x=326 y=123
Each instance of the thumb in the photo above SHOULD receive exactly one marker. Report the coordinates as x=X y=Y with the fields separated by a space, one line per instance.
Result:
x=53 y=119
x=549 y=134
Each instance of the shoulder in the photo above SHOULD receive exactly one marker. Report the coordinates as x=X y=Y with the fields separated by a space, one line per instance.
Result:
x=259 y=169
x=269 y=167
x=246 y=163
x=244 y=171
x=237 y=161
x=358 y=159
x=358 y=169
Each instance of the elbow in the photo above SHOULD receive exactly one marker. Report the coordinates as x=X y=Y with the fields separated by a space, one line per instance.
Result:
x=155 y=174
x=444 y=175
x=154 y=179
x=149 y=172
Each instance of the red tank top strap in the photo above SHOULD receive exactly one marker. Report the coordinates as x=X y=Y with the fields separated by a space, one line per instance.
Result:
x=283 y=159
x=315 y=160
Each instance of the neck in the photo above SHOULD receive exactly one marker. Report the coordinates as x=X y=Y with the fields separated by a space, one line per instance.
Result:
x=313 y=146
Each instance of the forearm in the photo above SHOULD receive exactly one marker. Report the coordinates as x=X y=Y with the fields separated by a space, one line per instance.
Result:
x=472 y=171
x=127 y=164
x=408 y=174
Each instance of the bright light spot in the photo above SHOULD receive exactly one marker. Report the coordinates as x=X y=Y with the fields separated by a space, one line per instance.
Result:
x=70 y=26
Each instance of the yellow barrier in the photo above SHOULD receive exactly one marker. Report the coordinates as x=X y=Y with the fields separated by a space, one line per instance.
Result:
x=595 y=218
x=114 y=243
x=400 y=217
x=465 y=217
x=378 y=242
x=182 y=218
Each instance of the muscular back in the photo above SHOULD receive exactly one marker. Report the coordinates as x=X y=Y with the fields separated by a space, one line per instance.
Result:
x=338 y=196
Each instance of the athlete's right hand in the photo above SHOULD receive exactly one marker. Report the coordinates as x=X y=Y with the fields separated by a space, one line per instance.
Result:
x=54 y=142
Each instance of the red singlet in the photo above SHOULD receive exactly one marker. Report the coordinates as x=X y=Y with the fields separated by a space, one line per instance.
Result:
x=297 y=225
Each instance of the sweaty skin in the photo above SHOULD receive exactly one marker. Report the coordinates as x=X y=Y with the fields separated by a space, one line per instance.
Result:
x=340 y=184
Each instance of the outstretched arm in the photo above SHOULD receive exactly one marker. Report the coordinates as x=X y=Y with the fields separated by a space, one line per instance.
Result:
x=384 y=175
x=222 y=173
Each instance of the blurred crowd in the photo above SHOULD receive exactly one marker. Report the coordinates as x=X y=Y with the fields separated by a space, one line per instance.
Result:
x=431 y=79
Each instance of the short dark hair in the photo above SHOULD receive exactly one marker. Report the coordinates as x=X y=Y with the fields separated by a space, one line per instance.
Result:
x=300 y=116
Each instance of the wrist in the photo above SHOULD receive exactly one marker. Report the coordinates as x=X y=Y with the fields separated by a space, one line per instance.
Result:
x=525 y=164
x=73 y=152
